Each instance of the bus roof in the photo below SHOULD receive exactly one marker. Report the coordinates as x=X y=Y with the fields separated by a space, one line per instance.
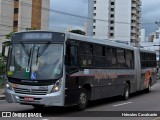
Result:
x=96 y=40
x=104 y=42
x=78 y=37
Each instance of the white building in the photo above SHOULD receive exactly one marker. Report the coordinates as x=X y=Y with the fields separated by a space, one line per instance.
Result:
x=154 y=43
x=17 y=15
x=143 y=35
x=33 y=14
x=6 y=18
x=114 y=19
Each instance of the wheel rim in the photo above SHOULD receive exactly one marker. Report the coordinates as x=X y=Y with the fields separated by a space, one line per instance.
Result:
x=127 y=93
x=149 y=87
x=83 y=98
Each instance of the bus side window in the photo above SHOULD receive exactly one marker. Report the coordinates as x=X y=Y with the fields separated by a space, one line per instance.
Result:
x=73 y=55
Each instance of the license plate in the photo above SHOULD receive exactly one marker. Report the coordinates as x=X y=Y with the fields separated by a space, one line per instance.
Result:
x=28 y=98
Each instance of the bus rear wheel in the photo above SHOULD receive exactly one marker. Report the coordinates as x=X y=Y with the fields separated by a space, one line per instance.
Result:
x=83 y=99
x=126 y=92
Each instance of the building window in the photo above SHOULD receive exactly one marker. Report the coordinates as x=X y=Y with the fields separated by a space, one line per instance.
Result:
x=94 y=33
x=112 y=15
x=111 y=34
x=157 y=35
x=112 y=3
x=94 y=27
x=112 y=9
x=133 y=21
x=111 y=28
x=94 y=8
x=15 y=23
x=94 y=14
x=112 y=22
x=15 y=10
x=94 y=21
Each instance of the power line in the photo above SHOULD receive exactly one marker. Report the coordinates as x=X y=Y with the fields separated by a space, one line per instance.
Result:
x=69 y=14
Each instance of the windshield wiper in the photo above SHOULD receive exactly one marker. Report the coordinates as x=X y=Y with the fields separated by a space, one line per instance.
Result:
x=29 y=56
x=43 y=49
x=27 y=52
x=37 y=55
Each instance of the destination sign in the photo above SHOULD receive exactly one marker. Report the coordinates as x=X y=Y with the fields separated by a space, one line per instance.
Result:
x=41 y=36
x=37 y=36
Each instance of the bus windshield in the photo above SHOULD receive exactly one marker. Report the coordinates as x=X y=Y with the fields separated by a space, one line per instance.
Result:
x=35 y=61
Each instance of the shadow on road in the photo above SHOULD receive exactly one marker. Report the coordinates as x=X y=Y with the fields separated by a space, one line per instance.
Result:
x=73 y=112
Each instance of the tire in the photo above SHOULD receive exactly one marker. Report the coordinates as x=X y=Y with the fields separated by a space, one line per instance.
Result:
x=83 y=99
x=148 y=89
x=125 y=95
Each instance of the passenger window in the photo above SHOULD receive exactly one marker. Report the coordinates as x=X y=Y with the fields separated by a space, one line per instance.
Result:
x=73 y=55
x=72 y=51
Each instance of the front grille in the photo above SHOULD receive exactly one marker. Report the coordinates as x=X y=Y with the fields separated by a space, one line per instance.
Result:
x=30 y=91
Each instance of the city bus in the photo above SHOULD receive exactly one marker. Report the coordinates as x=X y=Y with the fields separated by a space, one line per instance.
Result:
x=49 y=68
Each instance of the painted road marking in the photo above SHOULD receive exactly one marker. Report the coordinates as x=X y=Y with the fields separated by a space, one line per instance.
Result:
x=122 y=104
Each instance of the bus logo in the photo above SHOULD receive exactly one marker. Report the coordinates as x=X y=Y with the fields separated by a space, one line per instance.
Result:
x=30 y=90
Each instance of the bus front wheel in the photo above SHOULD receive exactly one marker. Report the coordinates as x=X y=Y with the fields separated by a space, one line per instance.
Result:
x=83 y=99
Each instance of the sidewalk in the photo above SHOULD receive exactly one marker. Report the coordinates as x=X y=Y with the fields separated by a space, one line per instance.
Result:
x=2 y=96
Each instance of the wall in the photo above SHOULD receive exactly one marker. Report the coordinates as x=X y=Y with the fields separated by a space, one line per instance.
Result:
x=123 y=20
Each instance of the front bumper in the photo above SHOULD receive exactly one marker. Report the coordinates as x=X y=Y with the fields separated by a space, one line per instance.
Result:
x=53 y=99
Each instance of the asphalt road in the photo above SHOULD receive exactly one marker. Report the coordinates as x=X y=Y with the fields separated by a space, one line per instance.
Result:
x=107 y=109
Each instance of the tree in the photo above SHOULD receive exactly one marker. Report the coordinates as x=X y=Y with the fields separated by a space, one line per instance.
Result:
x=2 y=64
x=78 y=32
x=31 y=28
x=9 y=35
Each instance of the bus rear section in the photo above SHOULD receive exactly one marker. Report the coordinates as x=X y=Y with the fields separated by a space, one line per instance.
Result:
x=145 y=69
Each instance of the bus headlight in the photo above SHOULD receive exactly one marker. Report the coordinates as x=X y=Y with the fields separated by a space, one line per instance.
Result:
x=57 y=86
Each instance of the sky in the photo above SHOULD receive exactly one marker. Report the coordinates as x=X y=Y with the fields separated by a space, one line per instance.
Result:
x=61 y=21
x=150 y=14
